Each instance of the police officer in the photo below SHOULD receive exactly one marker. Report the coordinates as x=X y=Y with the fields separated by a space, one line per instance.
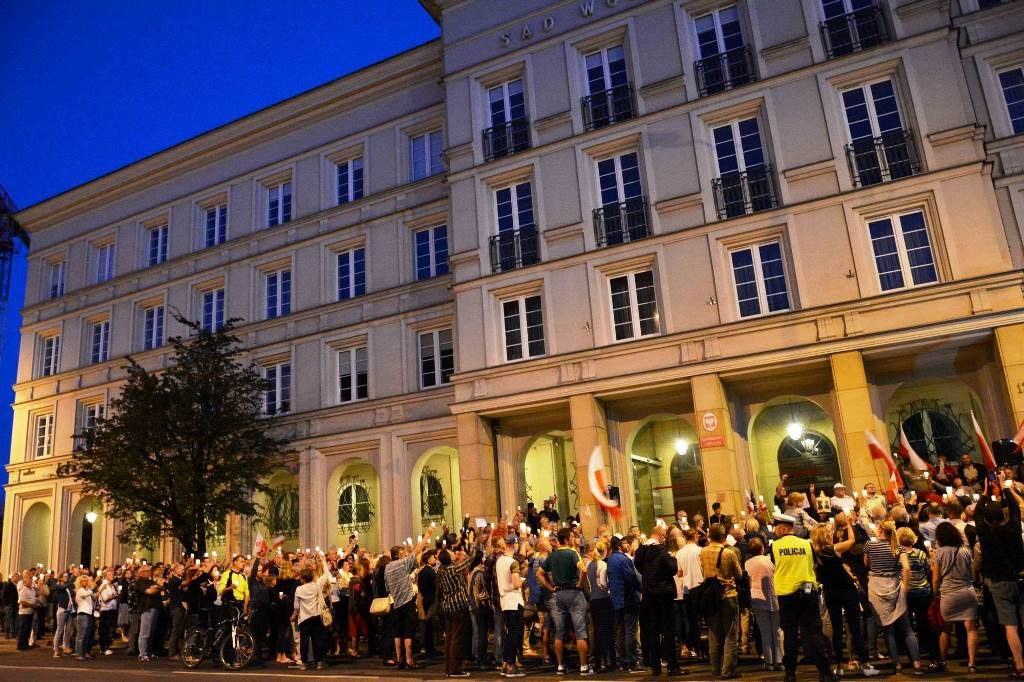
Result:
x=798 y=599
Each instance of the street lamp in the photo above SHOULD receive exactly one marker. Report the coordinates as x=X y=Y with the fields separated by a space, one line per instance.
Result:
x=681 y=446
x=91 y=516
x=795 y=430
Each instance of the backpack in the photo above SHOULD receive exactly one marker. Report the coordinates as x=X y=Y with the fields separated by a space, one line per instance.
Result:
x=711 y=592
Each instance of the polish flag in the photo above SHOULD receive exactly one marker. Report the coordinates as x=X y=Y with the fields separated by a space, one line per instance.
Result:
x=986 y=451
x=598 y=487
x=878 y=452
x=892 y=489
x=259 y=545
x=1019 y=438
x=908 y=453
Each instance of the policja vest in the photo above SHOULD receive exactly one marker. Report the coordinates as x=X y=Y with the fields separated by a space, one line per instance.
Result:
x=794 y=564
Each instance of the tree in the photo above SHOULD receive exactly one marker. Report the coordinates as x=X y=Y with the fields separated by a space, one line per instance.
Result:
x=183 y=447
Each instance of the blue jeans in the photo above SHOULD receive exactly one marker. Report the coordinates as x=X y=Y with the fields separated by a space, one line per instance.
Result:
x=901 y=628
x=499 y=633
x=59 y=624
x=570 y=608
x=146 y=626
x=626 y=620
x=11 y=620
x=84 y=642
x=771 y=642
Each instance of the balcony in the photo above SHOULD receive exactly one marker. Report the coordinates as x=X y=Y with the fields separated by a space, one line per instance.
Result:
x=624 y=222
x=608 y=106
x=854 y=31
x=740 y=193
x=513 y=249
x=724 y=71
x=890 y=156
x=506 y=139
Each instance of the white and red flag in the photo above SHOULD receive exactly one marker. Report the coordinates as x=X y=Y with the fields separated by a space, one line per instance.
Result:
x=986 y=451
x=598 y=486
x=259 y=545
x=878 y=452
x=1019 y=438
x=908 y=453
x=892 y=489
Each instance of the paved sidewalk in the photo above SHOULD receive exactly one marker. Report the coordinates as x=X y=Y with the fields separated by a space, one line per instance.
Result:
x=38 y=664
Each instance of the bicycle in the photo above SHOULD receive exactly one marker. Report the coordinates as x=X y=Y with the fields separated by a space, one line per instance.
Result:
x=230 y=638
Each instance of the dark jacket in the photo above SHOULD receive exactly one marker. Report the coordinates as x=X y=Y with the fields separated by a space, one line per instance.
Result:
x=623 y=581
x=657 y=569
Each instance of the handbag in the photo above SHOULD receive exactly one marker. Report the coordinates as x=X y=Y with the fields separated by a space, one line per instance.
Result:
x=935 y=619
x=381 y=606
x=325 y=612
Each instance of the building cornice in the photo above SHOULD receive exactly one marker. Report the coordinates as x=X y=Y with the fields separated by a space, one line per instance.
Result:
x=350 y=91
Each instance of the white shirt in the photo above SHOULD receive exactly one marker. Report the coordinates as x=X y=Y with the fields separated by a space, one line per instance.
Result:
x=107 y=596
x=688 y=560
x=306 y=600
x=845 y=503
x=511 y=597
x=27 y=594
x=83 y=601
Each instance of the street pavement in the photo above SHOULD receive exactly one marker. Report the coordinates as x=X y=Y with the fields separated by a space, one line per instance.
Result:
x=37 y=664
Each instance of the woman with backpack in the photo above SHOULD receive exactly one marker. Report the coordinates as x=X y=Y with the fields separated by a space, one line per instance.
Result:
x=953 y=573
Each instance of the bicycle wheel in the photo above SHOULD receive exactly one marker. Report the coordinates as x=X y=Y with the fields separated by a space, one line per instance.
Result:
x=193 y=649
x=237 y=650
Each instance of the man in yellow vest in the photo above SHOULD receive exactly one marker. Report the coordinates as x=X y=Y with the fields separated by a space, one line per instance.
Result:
x=798 y=594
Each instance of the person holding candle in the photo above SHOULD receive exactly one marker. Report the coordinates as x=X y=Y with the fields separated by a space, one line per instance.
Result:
x=953 y=575
x=84 y=604
x=888 y=581
x=403 y=607
x=306 y=614
x=106 y=597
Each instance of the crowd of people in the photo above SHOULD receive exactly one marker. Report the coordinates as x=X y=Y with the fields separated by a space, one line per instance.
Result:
x=856 y=583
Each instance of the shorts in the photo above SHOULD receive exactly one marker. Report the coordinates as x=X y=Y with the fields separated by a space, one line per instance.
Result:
x=404 y=621
x=1007 y=600
x=569 y=607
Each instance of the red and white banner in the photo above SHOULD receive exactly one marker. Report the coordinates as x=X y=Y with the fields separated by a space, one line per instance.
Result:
x=1019 y=438
x=598 y=487
x=892 y=489
x=986 y=451
x=878 y=452
x=908 y=453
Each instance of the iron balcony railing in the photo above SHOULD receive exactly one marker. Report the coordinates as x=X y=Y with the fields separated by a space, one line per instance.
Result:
x=514 y=249
x=890 y=156
x=854 y=31
x=506 y=139
x=740 y=193
x=609 y=106
x=724 y=71
x=626 y=221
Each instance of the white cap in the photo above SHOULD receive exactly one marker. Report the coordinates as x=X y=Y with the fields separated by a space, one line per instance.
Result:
x=837 y=486
x=783 y=518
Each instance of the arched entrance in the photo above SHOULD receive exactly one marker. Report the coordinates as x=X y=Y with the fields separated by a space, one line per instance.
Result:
x=433 y=489
x=668 y=473
x=936 y=416
x=85 y=532
x=795 y=436
x=279 y=508
x=36 y=531
x=549 y=469
x=354 y=504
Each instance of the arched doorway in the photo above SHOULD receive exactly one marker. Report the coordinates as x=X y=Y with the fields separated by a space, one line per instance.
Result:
x=279 y=508
x=549 y=469
x=668 y=473
x=85 y=532
x=433 y=489
x=36 y=531
x=795 y=436
x=354 y=504
x=935 y=415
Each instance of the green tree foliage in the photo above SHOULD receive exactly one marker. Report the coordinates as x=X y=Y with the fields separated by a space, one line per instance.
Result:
x=183 y=447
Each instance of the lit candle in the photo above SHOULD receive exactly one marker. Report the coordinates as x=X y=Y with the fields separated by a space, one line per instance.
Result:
x=307 y=550
x=736 y=526
x=855 y=494
x=771 y=528
x=206 y=555
x=433 y=524
x=949 y=490
x=197 y=562
x=408 y=541
x=522 y=527
x=419 y=538
x=318 y=549
x=994 y=498
x=975 y=496
x=743 y=513
x=928 y=544
x=248 y=557
x=926 y=474
x=760 y=498
x=545 y=533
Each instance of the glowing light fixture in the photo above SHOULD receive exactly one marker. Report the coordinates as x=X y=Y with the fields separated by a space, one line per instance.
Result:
x=91 y=516
x=682 y=445
x=795 y=430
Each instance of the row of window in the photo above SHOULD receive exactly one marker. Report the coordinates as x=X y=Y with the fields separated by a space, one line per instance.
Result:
x=900 y=244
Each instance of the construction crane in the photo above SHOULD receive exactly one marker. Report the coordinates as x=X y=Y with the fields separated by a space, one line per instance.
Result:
x=10 y=233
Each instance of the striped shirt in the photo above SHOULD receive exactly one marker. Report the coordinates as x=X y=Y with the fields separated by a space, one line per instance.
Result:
x=882 y=561
x=398 y=582
x=451 y=585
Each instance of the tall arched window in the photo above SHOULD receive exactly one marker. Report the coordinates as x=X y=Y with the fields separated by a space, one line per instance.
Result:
x=282 y=513
x=432 y=502
x=354 y=509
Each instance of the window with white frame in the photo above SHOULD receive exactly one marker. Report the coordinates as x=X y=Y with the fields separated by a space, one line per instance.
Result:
x=902 y=250
x=514 y=207
x=56 y=277
x=759 y=276
x=743 y=184
x=104 y=262
x=91 y=414
x=622 y=215
x=1011 y=81
x=353 y=374
x=606 y=69
x=279 y=203
x=99 y=345
x=880 y=148
x=426 y=155
x=213 y=309
x=523 y=327
x=437 y=358
x=349 y=175
x=277 y=398
x=215 y=229
x=42 y=436
x=431 y=251
x=157 y=251
x=351 y=272
x=506 y=102
x=278 y=293
x=634 y=305
x=517 y=243
x=608 y=99
x=723 y=61
x=49 y=355
x=152 y=327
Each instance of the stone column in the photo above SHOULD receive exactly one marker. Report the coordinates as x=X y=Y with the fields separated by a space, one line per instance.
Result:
x=717 y=443
x=856 y=415
x=477 y=475
x=589 y=429
x=317 y=493
x=306 y=485
x=1010 y=351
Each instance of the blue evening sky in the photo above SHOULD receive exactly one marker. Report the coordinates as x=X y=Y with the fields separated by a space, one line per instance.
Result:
x=93 y=85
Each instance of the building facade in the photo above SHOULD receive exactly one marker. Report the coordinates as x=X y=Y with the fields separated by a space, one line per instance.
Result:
x=720 y=240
